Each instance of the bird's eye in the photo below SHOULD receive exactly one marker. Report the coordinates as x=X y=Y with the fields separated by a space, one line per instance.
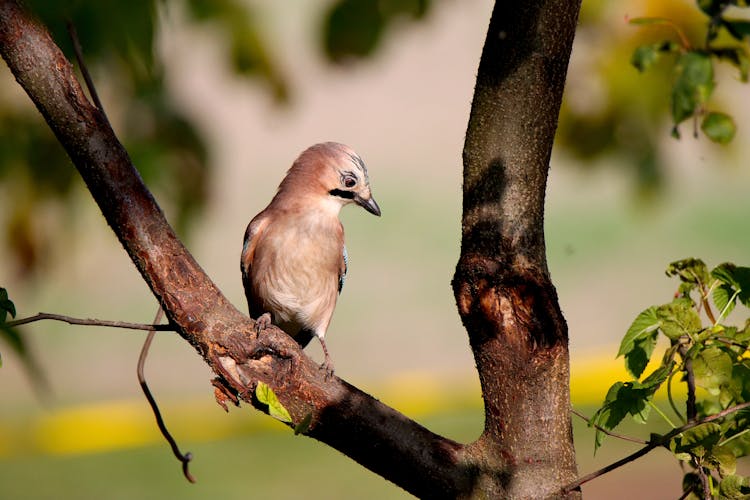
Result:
x=350 y=182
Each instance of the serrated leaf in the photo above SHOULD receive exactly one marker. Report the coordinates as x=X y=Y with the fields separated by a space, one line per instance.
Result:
x=643 y=325
x=719 y=127
x=737 y=277
x=678 y=318
x=693 y=85
x=692 y=271
x=623 y=399
x=734 y=487
x=722 y=458
x=657 y=377
x=266 y=396
x=713 y=369
x=637 y=359
x=724 y=298
x=698 y=439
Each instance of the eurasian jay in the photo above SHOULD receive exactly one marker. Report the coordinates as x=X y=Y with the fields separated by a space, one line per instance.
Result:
x=294 y=260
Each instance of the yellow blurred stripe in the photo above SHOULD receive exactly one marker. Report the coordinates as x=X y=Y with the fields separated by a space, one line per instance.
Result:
x=113 y=425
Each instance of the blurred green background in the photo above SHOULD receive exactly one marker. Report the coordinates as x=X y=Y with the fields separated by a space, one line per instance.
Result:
x=213 y=119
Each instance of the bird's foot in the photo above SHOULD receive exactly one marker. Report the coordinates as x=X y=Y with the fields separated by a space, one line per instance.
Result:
x=327 y=362
x=327 y=367
x=263 y=322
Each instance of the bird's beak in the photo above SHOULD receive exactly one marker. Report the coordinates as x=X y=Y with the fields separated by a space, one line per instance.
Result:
x=368 y=204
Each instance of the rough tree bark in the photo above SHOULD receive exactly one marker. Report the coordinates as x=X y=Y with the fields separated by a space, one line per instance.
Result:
x=502 y=285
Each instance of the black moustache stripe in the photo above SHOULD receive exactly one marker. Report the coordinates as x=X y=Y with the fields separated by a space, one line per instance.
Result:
x=342 y=194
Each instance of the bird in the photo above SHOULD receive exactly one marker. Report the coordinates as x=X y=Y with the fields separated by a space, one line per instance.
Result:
x=294 y=260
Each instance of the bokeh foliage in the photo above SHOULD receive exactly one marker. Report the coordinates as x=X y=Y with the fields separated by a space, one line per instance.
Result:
x=621 y=116
x=612 y=115
x=165 y=145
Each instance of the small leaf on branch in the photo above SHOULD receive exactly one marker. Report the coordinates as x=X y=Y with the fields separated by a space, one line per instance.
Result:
x=678 y=318
x=722 y=459
x=646 y=56
x=693 y=85
x=736 y=277
x=713 y=369
x=690 y=270
x=637 y=359
x=696 y=441
x=266 y=396
x=734 y=487
x=6 y=306
x=719 y=127
x=643 y=325
x=725 y=298
x=623 y=398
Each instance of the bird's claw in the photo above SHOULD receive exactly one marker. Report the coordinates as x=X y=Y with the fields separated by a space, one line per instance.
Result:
x=263 y=322
x=327 y=367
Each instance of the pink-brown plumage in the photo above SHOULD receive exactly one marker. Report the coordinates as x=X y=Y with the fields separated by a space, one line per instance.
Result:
x=293 y=259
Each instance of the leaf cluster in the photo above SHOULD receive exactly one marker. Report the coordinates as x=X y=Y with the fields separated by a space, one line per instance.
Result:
x=693 y=66
x=710 y=355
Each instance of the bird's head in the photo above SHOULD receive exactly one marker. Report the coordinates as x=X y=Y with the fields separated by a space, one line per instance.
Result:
x=333 y=173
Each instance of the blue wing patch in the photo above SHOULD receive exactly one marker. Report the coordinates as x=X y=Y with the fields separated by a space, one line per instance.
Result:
x=342 y=276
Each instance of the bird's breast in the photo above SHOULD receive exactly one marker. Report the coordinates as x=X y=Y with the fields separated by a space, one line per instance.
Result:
x=296 y=275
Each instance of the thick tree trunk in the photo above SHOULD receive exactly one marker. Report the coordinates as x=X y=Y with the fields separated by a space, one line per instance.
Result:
x=502 y=285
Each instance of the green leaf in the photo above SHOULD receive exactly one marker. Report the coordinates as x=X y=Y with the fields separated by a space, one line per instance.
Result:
x=690 y=270
x=693 y=85
x=719 y=127
x=266 y=396
x=353 y=29
x=623 y=399
x=739 y=386
x=722 y=458
x=678 y=318
x=734 y=487
x=713 y=369
x=738 y=29
x=697 y=440
x=637 y=359
x=724 y=297
x=646 y=56
x=735 y=276
x=657 y=377
x=6 y=306
x=643 y=325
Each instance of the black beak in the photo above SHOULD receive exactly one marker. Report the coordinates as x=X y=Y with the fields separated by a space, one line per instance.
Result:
x=369 y=204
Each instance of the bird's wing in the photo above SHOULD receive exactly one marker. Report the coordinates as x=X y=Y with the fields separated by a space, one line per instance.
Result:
x=252 y=235
x=344 y=267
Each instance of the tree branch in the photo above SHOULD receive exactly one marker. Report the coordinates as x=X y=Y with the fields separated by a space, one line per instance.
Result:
x=653 y=444
x=183 y=458
x=605 y=431
x=376 y=436
x=90 y=322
